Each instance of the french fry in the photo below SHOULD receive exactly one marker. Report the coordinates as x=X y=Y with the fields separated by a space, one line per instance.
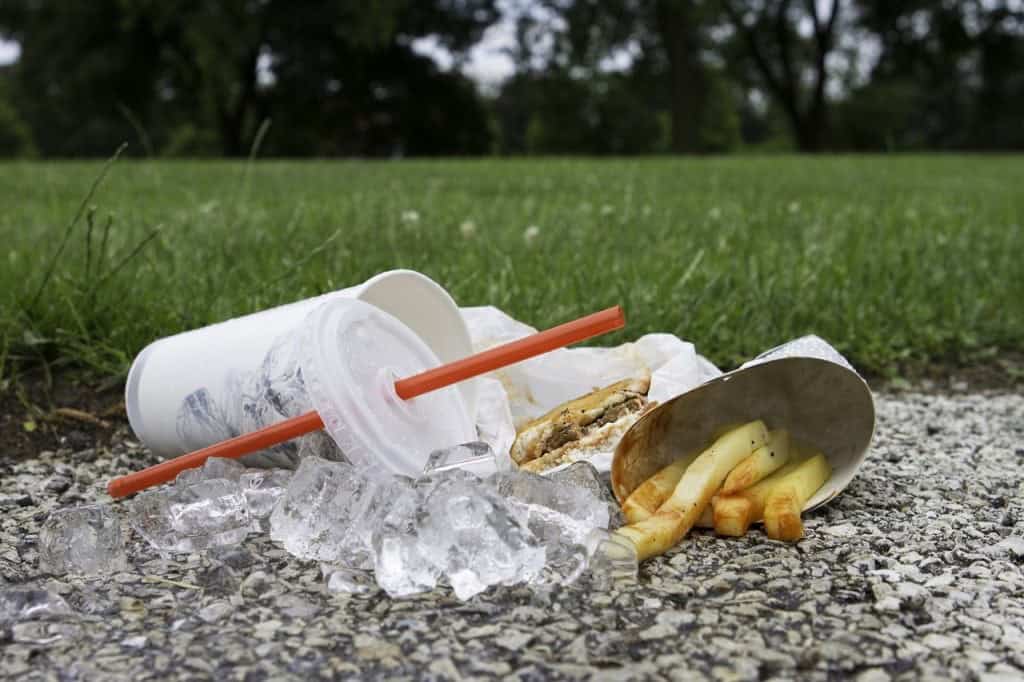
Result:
x=734 y=513
x=650 y=495
x=768 y=458
x=699 y=483
x=787 y=498
x=706 y=520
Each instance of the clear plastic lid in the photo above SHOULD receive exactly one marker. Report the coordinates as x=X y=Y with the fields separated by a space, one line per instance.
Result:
x=351 y=353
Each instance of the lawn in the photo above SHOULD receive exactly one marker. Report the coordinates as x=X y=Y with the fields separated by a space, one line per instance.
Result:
x=900 y=261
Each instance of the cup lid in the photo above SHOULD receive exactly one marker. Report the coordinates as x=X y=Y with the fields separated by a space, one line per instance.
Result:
x=351 y=354
x=805 y=386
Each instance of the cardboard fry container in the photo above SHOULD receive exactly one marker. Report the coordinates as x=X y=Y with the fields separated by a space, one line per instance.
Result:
x=805 y=386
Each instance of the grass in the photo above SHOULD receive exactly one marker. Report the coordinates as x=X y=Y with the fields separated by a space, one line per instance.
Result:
x=900 y=262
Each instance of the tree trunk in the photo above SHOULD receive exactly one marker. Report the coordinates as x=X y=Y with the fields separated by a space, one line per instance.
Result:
x=230 y=135
x=815 y=130
x=236 y=111
x=808 y=123
x=807 y=136
x=679 y=29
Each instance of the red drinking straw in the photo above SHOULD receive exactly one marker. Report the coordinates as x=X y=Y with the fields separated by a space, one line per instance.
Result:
x=408 y=388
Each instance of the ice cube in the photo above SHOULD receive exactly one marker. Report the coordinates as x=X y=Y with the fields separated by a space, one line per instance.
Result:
x=583 y=511
x=315 y=517
x=149 y=514
x=191 y=517
x=84 y=540
x=494 y=420
x=262 y=489
x=561 y=536
x=318 y=444
x=188 y=476
x=475 y=539
x=222 y=467
x=611 y=558
x=26 y=603
x=375 y=504
x=399 y=566
x=565 y=556
x=561 y=514
x=347 y=580
x=208 y=513
x=476 y=457
x=584 y=475
x=214 y=467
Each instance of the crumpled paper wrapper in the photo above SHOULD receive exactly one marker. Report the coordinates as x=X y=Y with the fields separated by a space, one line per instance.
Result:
x=533 y=387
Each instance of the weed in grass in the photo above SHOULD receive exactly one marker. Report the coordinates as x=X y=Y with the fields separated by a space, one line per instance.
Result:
x=84 y=311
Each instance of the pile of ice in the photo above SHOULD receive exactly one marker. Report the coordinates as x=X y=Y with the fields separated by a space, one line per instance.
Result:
x=450 y=526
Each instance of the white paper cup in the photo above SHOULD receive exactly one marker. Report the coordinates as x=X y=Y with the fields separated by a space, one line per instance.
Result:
x=804 y=386
x=219 y=367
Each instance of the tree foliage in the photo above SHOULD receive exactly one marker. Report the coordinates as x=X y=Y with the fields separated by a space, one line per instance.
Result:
x=187 y=77
x=790 y=63
x=201 y=77
x=954 y=73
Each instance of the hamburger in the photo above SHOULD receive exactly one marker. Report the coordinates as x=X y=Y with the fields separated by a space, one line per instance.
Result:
x=580 y=427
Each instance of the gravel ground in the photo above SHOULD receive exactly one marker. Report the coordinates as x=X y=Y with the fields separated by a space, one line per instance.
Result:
x=916 y=571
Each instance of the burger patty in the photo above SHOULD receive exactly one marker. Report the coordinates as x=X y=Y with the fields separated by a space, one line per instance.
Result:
x=614 y=413
x=577 y=419
x=563 y=433
x=568 y=432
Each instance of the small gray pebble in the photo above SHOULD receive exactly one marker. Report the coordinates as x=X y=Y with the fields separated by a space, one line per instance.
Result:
x=58 y=484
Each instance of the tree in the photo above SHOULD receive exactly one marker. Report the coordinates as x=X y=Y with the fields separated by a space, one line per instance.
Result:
x=791 y=63
x=680 y=34
x=592 y=76
x=955 y=68
x=554 y=113
x=650 y=52
x=15 y=138
x=175 y=73
x=79 y=66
